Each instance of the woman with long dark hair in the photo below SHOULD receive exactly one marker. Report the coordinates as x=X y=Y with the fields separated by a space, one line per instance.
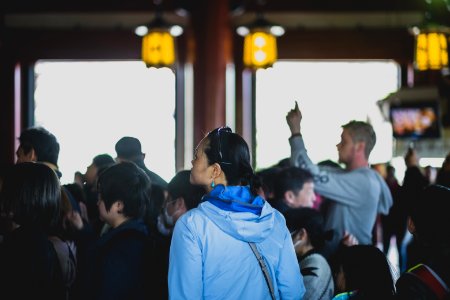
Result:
x=212 y=254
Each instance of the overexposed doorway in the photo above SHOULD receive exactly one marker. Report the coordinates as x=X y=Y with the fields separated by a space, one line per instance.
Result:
x=329 y=94
x=90 y=105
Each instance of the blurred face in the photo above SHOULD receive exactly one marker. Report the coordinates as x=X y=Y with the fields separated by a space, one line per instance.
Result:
x=102 y=210
x=201 y=171
x=346 y=148
x=306 y=196
x=91 y=174
x=303 y=198
x=170 y=206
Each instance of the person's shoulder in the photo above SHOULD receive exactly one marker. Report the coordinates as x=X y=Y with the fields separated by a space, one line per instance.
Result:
x=343 y=296
x=410 y=287
x=193 y=215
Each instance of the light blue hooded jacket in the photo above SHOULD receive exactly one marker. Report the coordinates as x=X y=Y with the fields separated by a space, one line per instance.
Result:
x=210 y=257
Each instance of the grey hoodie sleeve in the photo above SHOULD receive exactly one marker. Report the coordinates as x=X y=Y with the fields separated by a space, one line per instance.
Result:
x=351 y=188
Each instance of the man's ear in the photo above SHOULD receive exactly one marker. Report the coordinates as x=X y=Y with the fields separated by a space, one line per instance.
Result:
x=289 y=198
x=33 y=155
x=360 y=146
x=301 y=235
x=118 y=206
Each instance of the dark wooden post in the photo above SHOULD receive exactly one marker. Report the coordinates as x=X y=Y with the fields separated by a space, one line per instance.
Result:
x=212 y=51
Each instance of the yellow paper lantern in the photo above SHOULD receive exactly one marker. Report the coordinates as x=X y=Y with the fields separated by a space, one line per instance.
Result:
x=260 y=50
x=260 y=43
x=431 y=52
x=158 y=49
x=158 y=42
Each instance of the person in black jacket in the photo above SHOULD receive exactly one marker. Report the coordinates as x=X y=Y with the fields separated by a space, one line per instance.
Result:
x=129 y=149
x=118 y=264
x=429 y=223
x=29 y=264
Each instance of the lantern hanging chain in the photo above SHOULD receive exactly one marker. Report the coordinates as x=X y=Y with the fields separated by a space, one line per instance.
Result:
x=158 y=8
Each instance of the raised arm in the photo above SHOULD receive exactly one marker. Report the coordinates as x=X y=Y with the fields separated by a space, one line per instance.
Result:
x=294 y=118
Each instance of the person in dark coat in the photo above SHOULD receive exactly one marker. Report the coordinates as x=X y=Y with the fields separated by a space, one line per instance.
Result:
x=29 y=264
x=429 y=223
x=129 y=149
x=117 y=265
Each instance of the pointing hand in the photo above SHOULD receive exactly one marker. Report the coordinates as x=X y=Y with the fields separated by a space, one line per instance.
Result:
x=293 y=119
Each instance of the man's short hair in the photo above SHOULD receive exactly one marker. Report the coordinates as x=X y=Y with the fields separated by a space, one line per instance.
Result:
x=43 y=142
x=180 y=186
x=128 y=183
x=290 y=179
x=362 y=132
x=128 y=148
x=103 y=160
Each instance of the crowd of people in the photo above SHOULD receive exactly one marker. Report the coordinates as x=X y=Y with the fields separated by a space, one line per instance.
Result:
x=297 y=230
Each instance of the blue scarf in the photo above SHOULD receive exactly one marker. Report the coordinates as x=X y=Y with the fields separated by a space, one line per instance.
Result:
x=235 y=198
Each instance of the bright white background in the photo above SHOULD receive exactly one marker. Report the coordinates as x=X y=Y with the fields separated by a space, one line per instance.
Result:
x=329 y=94
x=89 y=106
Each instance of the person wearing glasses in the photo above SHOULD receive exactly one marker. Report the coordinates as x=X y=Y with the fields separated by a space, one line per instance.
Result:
x=212 y=254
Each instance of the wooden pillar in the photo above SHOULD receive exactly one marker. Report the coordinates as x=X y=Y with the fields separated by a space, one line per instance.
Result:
x=10 y=110
x=212 y=51
x=10 y=103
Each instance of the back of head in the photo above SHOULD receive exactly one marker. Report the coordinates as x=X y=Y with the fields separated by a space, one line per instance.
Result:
x=329 y=164
x=267 y=177
x=231 y=152
x=128 y=148
x=43 y=142
x=103 y=160
x=76 y=191
x=180 y=186
x=290 y=179
x=429 y=212
x=312 y=221
x=362 y=132
x=128 y=183
x=361 y=264
x=31 y=193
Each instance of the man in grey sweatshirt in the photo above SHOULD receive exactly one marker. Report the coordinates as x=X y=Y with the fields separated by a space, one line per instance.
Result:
x=357 y=194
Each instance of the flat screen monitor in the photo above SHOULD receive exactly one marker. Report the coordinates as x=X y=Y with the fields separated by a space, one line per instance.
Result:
x=415 y=120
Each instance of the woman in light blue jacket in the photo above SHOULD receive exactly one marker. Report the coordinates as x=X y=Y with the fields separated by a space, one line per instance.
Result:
x=210 y=254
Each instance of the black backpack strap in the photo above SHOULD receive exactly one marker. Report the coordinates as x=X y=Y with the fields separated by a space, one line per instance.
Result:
x=263 y=266
x=431 y=280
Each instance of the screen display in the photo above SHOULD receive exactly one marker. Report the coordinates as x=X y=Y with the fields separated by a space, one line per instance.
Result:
x=415 y=120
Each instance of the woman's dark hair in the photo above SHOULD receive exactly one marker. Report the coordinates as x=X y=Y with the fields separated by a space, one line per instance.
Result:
x=128 y=183
x=31 y=193
x=180 y=186
x=77 y=191
x=231 y=152
x=312 y=221
x=366 y=269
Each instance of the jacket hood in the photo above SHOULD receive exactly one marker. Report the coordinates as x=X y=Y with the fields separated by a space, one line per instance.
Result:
x=238 y=213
